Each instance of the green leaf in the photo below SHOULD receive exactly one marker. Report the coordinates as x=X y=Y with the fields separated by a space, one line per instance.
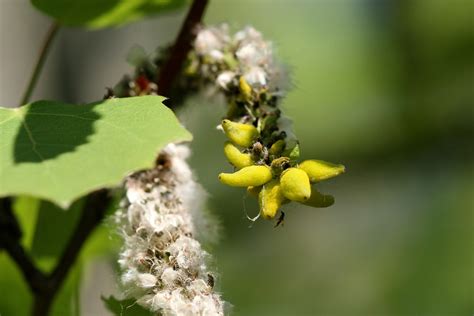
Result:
x=51 y=240
x=59 y=151
x=124 y=307
x=293 y=152
x=16 y=298
x=95 y=14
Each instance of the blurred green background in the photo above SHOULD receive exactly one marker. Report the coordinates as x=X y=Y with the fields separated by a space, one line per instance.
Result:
x=384 y=87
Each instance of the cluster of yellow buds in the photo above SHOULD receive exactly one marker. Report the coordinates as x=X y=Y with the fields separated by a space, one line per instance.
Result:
x=273 y=176
x=261 y=145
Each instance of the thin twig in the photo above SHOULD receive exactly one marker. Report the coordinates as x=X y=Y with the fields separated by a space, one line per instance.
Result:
x=33 y=277
x=182 y=46
x=53 y=30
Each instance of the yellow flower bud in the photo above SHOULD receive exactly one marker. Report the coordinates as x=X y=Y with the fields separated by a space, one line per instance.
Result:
x=318 y=170
x=245 y=88
x=319 y=200
x=254 y=191
x=270 y=199
x=295 y=185
x=237 y=158
x=240 y=134
x=277 y=147
x=247 y=176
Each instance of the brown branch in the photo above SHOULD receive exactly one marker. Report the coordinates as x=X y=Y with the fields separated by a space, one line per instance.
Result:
x=8 y=220
x=10 y=235
x=33 y=277
x=182 y=46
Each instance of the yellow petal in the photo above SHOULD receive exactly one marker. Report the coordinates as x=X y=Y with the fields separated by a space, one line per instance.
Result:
x=270 y=199
x=245 y=88
x=247 y=176
x=240 y=134
x=237 y=158
x=318 y=170
x=295 y=185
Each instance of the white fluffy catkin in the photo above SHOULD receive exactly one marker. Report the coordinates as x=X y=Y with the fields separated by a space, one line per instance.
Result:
x=163 y=265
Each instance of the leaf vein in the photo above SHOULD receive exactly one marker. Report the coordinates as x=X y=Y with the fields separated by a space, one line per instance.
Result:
x=62 y=115
x=40 y=156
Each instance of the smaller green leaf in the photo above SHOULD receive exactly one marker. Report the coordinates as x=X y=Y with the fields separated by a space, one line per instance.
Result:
x=96 y=14
x=16 y=297
x=124 y=307
x=293 y=153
